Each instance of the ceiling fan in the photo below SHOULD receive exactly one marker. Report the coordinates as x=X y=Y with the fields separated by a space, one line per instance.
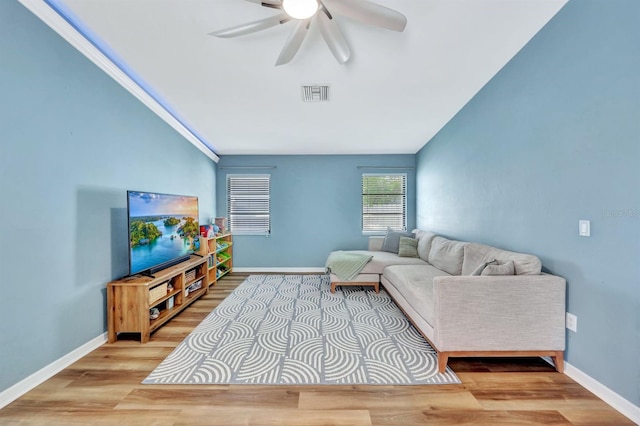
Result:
x=304 y=12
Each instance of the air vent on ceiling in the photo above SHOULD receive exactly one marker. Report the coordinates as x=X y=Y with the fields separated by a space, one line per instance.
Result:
x=315 y=93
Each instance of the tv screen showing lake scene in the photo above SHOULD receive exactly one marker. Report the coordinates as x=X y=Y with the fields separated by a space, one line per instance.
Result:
x=162 y=228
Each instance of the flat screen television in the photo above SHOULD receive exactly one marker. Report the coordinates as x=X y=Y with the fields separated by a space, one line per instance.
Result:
x=163 y=230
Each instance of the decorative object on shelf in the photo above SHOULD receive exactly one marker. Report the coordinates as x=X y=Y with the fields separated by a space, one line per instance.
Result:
x=190 y=275
x=221 y=222
x=154 y=313
x=170 y=302
x=208 y=231
x=204 y=230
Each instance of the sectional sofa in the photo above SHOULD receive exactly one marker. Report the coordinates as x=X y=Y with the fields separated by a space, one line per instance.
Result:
x=469 y=299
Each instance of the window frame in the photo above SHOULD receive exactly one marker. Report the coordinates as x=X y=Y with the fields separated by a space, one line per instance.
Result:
x=230 y=202
x=404 y=204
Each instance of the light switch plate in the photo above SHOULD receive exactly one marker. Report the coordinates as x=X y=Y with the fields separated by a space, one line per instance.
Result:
x=584 y=228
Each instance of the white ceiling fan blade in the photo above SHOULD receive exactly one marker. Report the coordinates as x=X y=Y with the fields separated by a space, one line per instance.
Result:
x=294 y=42
x=271 y=2
x=252 y=27
x=369 y=13
x=333 y=36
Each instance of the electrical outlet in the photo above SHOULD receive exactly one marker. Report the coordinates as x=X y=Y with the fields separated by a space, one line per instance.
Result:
x=572 y=322
x=584 y=228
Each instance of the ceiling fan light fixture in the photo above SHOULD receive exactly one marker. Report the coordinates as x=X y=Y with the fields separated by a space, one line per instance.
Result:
x=307 y=11
x=300 y=9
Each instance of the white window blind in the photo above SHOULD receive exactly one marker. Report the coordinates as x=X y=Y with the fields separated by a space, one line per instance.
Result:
x=384 y=202
x=249 y=204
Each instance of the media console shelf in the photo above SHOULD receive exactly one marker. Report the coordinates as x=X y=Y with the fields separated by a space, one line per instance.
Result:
x=218 y=251
x=130 y=299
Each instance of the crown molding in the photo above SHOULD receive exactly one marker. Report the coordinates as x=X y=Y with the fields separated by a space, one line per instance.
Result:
x=58 y=24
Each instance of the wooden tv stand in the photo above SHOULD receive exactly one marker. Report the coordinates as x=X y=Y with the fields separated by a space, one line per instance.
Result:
x=130 y=299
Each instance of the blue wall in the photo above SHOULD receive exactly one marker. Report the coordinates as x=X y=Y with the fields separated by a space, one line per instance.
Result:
x=71 y=142
x=315 y=206
x=553 y=139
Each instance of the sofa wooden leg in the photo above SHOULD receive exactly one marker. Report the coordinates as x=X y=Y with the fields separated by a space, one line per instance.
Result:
x=376 y=287
x=558 y=360
x=443 y=359
x=333 y=287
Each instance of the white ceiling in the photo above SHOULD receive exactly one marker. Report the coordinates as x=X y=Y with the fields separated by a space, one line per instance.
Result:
x=396 y=92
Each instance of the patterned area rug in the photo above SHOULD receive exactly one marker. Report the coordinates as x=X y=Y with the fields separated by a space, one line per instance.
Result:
x=290 y=329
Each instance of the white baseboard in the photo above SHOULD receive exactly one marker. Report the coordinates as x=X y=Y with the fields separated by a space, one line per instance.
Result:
x=312 y=269
x=622 y=405
x=45 y=373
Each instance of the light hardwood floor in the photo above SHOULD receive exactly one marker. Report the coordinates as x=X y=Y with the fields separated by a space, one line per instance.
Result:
x=104 y=388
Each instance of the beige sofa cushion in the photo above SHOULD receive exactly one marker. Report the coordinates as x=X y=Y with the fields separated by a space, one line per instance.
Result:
x=415 y=282
x=476 y=254
x=382 y=259
x=425 y=238
x=447 y=255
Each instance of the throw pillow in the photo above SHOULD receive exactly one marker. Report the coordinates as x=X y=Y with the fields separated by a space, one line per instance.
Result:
x=480 y=268
x=507 y=268
x=392 y=240
x=447 y=255
x=408 y=247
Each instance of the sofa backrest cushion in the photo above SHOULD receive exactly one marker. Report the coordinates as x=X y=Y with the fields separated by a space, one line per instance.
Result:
x=476 y=254
x=425 y=238
x=447 y=255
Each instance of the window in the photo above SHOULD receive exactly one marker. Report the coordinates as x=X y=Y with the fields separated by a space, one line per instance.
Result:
x=384 y=202
x=249 y=204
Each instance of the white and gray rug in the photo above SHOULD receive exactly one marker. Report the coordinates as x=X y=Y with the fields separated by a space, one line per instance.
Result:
x=290 y=329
